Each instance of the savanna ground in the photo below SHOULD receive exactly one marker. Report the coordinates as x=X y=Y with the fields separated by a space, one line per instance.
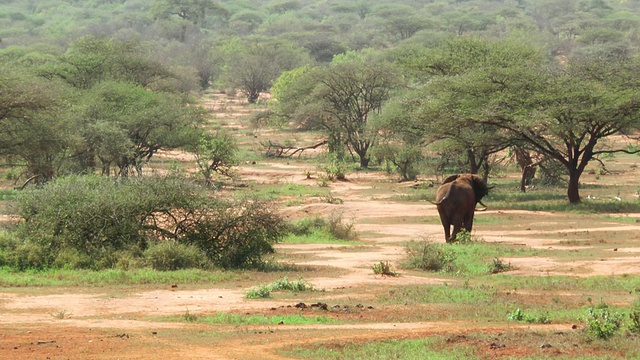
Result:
x=561 y=264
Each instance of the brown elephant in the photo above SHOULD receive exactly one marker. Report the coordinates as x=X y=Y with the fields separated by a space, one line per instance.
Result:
x=456 y=200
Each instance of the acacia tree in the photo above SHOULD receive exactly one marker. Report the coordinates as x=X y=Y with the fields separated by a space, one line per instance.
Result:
x=252 y=66
x=567 y=112
x=438 y=113
x=562 y=111
x=33 y=137
x=341 y=99
x=124 y=125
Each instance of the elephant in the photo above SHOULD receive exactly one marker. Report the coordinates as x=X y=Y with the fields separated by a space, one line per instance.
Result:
x=456 y=200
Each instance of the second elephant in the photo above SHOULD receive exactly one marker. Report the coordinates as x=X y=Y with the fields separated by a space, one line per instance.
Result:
x=456 y=200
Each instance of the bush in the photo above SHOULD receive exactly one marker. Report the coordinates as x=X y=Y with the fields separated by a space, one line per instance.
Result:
x=340 y=229
x=236 y=234
x=306 y=226
x=97 y=222
x=602 y=323
x=430 y=257
x=170 y=255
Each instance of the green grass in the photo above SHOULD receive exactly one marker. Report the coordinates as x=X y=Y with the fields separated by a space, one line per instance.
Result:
x=53 y=278
x=287 y=190
x=264 y=291
x=412 y=349
x=317 y=236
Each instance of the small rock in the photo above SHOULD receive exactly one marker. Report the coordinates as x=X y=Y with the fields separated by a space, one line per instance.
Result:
x=545 y=346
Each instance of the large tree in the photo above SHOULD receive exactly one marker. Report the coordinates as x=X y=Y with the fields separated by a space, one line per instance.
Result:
x=563 y=111
x=438 y=113
x=251 y=66
x=340 y=99
x=567 y=112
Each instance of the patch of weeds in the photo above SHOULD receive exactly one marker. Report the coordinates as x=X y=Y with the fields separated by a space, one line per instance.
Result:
x=341 y=229
x=603 y=323
x=261 y=292
x=189 y=317
x=330 y=199
x=383 y=268
x=634 y=318
x=323 y=180
x=264 y=291
x=317 y=230
x=291 y=285
x=62 y=314
x=465 y=237
x=430 y=257
x=497 y=266
x=520 y=316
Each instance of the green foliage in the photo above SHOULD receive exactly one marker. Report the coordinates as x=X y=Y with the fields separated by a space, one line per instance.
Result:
x=264 y=291
x=93 y=222
x=170 y=255
x=430 y=257
x=602 y=322
x=253 y=66
x=216 y=154
x=336 y=169
x=383 y=268
x=110 y=277
x=496 y=266
x=405 y=159
x=521 y=316
x=237 y=233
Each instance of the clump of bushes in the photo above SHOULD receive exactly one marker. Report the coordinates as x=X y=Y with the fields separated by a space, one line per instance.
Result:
x=163 y=222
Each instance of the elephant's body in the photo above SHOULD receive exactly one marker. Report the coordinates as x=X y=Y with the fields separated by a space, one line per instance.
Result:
x=456 y=200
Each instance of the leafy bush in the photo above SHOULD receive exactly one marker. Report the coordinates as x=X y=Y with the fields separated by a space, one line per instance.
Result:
x=341 y=229
x=306 y=226
x=96 y=222
x=237 y=233
x=170 y=255
x=383 y=268
x=521 y=316
x=602 y=323
x=430 y=257
x=497 y=266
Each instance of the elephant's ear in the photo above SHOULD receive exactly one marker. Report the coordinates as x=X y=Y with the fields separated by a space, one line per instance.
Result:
x=451 y=178
x=480 y=188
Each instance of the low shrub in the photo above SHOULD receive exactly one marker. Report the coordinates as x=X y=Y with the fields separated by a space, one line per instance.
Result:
x=170 y=255
x=430 y=257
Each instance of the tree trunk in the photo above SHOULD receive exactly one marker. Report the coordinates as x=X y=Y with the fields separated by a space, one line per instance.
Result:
x=573 y=193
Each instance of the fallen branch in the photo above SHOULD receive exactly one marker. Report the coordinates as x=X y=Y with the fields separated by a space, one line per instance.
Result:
x=273 y=149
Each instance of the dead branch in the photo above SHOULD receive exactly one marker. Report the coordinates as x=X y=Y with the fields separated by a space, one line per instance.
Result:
x=274 y=149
